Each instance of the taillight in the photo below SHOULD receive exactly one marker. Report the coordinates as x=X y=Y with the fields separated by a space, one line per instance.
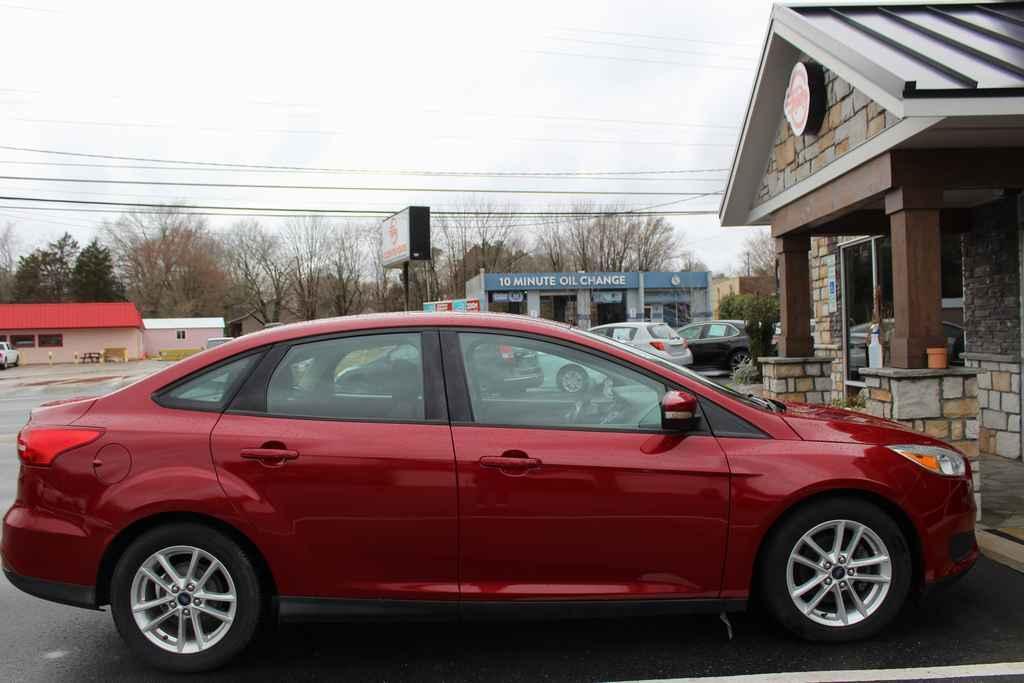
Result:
x=660 y=345
x=40 y=446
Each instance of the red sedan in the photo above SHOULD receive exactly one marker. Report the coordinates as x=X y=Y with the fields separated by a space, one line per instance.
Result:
x=379 y=467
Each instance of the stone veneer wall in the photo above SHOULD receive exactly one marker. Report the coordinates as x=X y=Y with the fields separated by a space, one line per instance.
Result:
x=828 y=332
x=851 y=118
x=803 y=380
x=992 y=280
x=940 y=403
x=999 y=401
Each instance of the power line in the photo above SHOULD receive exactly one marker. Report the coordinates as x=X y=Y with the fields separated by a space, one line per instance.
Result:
x=656 y=37
x=222 y=164
x=173 y=183
x=653 y=49
x=644 y=61
x=341 y=133
x=132 y=167
x=289 y=212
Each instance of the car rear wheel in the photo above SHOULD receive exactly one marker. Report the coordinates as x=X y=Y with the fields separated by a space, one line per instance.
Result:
x=836 y=570
x=572 y=379
x=185 y=598
x=738 y=358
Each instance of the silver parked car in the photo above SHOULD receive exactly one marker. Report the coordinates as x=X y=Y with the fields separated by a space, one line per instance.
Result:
x=656 y=338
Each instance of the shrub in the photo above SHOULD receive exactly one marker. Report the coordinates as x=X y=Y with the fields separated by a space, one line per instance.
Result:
x=747 y=372
x=759 y=312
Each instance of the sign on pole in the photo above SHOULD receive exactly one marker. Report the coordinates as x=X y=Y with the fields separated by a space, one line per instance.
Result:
x=406 y=236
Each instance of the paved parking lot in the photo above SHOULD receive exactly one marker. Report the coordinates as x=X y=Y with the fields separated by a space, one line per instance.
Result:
x=976 y=621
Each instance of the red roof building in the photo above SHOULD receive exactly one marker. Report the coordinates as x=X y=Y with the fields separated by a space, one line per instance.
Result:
x=67 y=333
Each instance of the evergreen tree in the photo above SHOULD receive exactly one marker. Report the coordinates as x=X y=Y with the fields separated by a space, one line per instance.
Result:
x=28 y=279
x=44 y=276
x=93 y=278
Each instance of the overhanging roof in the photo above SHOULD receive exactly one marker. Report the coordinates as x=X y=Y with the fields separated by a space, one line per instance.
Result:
x=926 y=63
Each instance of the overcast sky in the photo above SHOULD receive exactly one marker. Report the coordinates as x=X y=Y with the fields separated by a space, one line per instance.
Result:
x=559 y=85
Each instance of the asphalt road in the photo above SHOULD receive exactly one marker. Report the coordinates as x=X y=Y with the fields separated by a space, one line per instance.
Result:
x=979 y=620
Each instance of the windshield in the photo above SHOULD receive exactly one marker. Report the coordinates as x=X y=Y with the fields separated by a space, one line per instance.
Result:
x=661 y=331
x=679 y=369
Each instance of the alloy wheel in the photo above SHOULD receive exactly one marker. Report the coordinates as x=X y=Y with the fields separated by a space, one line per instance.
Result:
x=839 y=573
x=183 y=599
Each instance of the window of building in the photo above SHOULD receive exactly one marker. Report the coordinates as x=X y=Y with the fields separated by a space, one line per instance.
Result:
x=210 y=389
x=180 y=334
x=3 y=337
x=51 y=340
x=372 y=377
x=522 y=382
x=23 y=341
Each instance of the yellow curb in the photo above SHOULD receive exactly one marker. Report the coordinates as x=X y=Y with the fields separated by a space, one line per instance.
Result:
x=1001 y=550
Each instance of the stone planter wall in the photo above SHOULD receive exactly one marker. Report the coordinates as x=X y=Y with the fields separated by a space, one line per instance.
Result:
x=940 y=403
x=804 y=380
x=999 y=402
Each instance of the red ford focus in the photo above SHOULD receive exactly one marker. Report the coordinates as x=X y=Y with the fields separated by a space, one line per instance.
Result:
x=437 y=466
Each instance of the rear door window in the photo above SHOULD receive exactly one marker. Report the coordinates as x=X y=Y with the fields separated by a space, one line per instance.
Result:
x=719 y=330
x=371 y=377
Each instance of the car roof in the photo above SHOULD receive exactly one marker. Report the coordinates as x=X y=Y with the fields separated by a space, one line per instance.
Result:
x=629 y=324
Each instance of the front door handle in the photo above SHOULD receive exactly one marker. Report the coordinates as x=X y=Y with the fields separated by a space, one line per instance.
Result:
x=516 y=461
x=270 y=456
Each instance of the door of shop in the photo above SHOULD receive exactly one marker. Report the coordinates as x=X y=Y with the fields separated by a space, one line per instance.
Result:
x=560 y=307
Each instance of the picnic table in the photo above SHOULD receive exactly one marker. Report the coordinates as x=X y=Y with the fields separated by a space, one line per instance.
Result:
x=91 y=357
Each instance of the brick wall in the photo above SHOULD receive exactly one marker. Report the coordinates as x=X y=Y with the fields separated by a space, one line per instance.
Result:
x=992 y=280
x=851 y=118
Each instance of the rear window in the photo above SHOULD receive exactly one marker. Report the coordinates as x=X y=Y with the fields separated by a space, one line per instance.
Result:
x=661 y=331
x=209 y=389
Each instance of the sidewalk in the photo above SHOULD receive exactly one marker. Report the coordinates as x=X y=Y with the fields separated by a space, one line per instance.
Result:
x=1001 y=531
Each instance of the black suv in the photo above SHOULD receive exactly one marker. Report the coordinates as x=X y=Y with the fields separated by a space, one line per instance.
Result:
x=721 y=344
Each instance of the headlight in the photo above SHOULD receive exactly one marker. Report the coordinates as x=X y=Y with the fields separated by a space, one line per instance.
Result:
x=935 y=459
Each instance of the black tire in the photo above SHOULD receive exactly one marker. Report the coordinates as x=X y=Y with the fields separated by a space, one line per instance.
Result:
x=573 y=379
x=249 y=598
x=772 y=574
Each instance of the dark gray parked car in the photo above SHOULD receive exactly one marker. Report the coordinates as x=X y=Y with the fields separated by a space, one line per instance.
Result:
x=721 y=344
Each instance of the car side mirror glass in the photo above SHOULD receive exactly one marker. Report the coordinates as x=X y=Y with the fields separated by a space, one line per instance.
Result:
x=678 y=411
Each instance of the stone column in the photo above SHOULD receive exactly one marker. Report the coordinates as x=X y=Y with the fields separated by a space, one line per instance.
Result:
x=794 y=296
x=916 y=277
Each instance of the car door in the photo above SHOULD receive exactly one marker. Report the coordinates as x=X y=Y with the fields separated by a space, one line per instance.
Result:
x=716 y=341
x=693 y=334
x=338 y=452
x=563 y=496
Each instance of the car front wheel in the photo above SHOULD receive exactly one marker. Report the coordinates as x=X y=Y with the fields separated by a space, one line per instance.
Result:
x=836 y=570
x=738 y=358
x=185 y=598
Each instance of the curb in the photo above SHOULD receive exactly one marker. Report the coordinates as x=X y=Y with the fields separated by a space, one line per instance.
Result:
x=1002 y=547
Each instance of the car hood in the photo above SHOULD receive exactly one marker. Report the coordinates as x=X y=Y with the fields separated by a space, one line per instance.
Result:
x=826 y=423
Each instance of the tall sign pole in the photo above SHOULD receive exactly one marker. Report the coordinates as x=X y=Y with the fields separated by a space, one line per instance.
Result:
x=405 y=237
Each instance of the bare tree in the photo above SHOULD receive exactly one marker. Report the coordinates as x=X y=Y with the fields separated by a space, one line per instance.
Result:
x=349 y=263
x=308 y=245
x=607 y=239
x=758 y=255
x=8 y=261
x=689 y=261
x=485 y=235
x=169 y=262
x=260 y=270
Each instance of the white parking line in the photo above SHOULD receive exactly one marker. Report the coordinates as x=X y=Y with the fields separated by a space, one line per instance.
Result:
x=922 y=673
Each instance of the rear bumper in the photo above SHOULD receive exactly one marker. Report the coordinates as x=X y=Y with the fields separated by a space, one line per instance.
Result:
x=44 y=552
x=54 y=591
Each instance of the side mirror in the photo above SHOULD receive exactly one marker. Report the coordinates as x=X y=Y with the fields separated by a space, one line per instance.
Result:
x=678 y=411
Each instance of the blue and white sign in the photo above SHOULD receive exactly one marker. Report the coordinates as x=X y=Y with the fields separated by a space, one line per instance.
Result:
x=496 y=282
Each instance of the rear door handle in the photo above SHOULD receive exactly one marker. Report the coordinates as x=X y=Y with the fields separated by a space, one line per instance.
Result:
x=508 y=461
x=269 y=456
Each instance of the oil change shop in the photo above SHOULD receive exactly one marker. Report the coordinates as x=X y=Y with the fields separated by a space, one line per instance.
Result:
x=587 y=299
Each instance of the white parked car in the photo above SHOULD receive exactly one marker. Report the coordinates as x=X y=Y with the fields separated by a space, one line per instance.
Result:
x=9 y=356
x=656 y=338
